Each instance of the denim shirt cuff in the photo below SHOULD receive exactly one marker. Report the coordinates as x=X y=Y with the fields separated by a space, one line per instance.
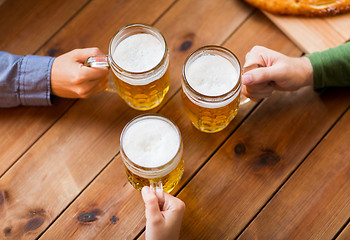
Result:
x=35 y=80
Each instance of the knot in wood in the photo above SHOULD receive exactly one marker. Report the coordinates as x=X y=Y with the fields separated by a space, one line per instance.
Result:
x=185 y=46
x=52 y=52
x=114 y=219
x=89 y=216
x=187 y=42
x=2 y=198
x=34 y=223
x=240 y=149
x=7 y=231
x=269 y=158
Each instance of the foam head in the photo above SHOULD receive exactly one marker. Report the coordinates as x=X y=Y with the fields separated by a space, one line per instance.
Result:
x=212 y=75
x=139 y=53
x=150 y=142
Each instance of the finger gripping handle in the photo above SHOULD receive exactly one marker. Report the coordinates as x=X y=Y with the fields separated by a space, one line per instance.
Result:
x=97 y=61
x=157 y=188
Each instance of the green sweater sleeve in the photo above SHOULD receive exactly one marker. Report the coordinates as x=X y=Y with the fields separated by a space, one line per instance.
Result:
x=331 y=67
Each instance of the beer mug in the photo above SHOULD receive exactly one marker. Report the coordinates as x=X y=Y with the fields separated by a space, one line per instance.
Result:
x=138 y=57
x=211 y=88
x=151 y=150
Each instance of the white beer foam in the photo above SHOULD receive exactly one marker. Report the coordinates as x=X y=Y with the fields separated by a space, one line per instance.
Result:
x=151 y=142
x=138 y=53
x=212 y=75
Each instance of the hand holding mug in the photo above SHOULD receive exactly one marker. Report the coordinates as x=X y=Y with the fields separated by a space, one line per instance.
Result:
x=139 y=58
x=268 y=70
x=165 y=223
x=71 y=79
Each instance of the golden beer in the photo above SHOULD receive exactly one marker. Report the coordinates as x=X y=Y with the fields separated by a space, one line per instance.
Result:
x=151 y=150
x=143 y=97
x=139 y=59
x=211 y=88
x=169 y=181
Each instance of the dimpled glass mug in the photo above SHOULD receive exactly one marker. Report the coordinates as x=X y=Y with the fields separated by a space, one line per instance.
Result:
x=139 y=58
x=151 y=149
x=211 y=88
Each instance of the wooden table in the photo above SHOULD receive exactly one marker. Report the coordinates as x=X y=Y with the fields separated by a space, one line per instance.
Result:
x=281 y=170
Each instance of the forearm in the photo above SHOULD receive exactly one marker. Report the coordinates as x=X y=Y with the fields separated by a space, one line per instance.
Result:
x=331 y=67
x=25 y=80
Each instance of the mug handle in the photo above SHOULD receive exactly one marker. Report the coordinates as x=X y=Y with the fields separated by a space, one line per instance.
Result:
x=97 y=61
x=157 y=188
x=244 y=99
x=101 y=61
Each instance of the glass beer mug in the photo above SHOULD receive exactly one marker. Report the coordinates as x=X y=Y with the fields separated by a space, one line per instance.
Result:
x=138 y=57
x=211 y=88
x=151 y=150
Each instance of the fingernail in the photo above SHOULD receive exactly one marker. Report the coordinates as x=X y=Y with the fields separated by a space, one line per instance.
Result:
x=146 y=189
x=247 y=78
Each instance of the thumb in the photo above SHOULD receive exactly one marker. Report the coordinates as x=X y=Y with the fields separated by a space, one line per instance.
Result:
x=82 y=54
x=152 y=210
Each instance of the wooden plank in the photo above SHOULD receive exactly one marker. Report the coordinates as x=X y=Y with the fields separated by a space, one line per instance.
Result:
x=181 y=37
x=242 y=176
x=211 y=22
x=341 y=23
x=56 y=148
x=259 y=30
x=314 y=34
x=26 y=25
x=113 y=196
x=345 y=234
x=99 y=21
x=315 y=202
x=103 y=228
x=21 y=127
x=63 y=169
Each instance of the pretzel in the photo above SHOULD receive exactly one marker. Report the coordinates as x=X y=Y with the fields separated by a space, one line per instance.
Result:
x=310 y=8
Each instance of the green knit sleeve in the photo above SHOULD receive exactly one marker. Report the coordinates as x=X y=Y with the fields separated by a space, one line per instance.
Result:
x=331 y=67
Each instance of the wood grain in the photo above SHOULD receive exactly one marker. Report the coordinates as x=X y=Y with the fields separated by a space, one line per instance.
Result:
x=242 y=176
x=345 y=234
x=314 y=34
x=205 y=17
x=25 y=25
x=192 y=24
x=97 y=23
x=22 y=126
x=85 y=139
x=63 y=166
x=211 y=23
x=68 y=181
x=315 y=202
x=197 y=148
x=59 y=229
x=341 y=24
x=258 y=30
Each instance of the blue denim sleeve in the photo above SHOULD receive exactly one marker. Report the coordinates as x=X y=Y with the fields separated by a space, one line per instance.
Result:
x=25 y=80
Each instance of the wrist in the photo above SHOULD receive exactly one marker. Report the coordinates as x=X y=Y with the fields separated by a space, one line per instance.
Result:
x=307 y=71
